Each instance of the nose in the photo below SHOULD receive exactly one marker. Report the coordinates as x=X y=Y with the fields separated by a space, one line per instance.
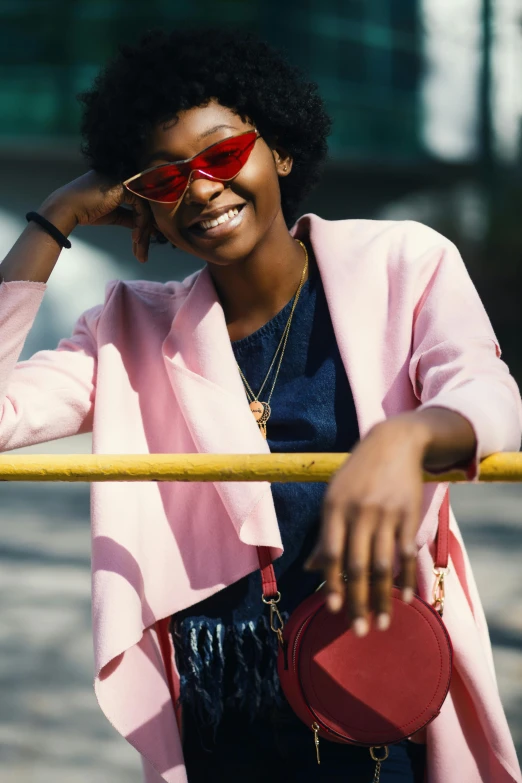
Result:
x=201 y=189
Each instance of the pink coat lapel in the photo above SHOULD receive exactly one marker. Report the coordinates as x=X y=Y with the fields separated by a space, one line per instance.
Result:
x=209 y=391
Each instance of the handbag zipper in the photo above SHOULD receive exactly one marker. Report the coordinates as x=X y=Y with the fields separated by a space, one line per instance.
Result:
x=316 y=726
x=315 y=729
x=296 y=641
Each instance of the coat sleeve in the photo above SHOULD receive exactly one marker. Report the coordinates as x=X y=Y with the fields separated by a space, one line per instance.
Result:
x=456 y=362
x=51 y=395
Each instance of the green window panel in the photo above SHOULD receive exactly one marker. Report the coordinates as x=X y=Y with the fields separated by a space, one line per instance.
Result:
x=29 y=101
x=363 y=53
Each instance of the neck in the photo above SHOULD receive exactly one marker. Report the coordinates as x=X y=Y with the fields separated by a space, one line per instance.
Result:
x=253 y=291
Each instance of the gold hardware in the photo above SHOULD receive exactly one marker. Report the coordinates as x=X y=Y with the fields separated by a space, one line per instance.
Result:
x=378 y=760
x=439 y=589
x=315 y=729
x=273 y=600
x=276 y=621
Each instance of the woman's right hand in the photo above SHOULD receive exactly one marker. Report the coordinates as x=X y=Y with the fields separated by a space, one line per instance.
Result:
x=91 y=200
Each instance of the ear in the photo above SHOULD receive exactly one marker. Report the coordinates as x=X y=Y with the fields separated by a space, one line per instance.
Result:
x=283 y=161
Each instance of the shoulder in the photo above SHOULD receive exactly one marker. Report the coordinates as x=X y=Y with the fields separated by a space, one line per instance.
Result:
x=395 y=239
x=399 y=251
x=148 y=293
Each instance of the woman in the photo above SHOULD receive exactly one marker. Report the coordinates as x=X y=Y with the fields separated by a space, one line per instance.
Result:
x=360 y=336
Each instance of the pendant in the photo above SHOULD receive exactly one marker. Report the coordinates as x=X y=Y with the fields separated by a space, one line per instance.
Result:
x=261 y=412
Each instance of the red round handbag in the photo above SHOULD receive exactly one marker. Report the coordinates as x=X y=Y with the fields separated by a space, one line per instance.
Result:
x=373 y=691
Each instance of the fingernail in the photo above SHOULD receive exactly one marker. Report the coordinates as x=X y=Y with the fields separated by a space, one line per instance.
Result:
x=407 y=595
x=383 y=622
x=360 y=626
x=334 y=602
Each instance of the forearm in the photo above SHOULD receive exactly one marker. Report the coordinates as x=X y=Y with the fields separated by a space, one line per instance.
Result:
x=444 y=439
x=35 y=253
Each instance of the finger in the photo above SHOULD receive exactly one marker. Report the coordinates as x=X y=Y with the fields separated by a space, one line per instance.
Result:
x=408 y=557
x=143 y=246
x=143 y=226
x=142 y=220
x=328 y=554
x=357 y=568
x=382 y=569
x=121 y=216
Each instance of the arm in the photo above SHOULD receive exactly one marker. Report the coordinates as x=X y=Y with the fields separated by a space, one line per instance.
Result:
x=469 y=407
x=445 y=440
x=88 y=200
x=52 y=395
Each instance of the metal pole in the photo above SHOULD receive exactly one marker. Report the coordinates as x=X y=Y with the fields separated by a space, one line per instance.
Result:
x=214 y=467
x=485 y=129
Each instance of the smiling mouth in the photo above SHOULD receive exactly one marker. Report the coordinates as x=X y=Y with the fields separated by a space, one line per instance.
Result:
x=221 y=225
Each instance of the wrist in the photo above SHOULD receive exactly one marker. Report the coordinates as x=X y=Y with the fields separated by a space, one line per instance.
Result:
x=407 y=429
x=59 y=214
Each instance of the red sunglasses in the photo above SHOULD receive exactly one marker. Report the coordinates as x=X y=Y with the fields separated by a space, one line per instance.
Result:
x=221 y=161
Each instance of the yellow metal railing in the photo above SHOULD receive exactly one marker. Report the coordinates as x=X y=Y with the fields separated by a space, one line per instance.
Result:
x=212 y=467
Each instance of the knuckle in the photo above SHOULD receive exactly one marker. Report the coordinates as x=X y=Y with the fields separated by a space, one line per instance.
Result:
x=326 y=555
x=328 y=558
x=354 y=572
x=407 y=550
x=332 y=503
x=370 y=506
x=381 y=569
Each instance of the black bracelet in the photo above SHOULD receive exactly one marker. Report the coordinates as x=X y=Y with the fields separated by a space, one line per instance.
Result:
x=47 y=226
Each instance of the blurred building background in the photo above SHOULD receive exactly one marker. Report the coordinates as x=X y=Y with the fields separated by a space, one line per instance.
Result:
x=426 y=97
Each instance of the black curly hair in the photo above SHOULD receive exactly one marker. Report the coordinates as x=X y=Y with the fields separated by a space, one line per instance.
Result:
x=166 y=73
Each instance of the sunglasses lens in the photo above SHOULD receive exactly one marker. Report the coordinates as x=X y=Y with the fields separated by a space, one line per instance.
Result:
x=166 y=183
x=222 y=161
x=225 y=159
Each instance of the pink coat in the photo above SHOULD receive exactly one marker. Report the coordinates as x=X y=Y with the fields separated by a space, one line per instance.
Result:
x=152 y=371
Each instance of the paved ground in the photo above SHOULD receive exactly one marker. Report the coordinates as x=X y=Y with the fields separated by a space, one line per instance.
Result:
x=51 y=730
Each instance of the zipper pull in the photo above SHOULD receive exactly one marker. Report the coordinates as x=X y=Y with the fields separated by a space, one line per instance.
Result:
x=315 y=729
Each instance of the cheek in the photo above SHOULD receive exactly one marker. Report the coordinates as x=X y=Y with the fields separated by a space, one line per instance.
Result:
x=260 y=179
x=163 y=219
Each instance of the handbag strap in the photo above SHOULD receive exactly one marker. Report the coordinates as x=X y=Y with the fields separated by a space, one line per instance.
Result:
x=268 y=577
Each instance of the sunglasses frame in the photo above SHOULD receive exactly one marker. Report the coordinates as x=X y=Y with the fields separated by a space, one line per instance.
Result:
x=193 y=171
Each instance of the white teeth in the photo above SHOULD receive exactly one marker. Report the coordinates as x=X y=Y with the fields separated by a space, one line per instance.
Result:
x=206 y=224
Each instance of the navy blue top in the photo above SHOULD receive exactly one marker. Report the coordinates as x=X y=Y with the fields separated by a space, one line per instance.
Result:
x=225 y=650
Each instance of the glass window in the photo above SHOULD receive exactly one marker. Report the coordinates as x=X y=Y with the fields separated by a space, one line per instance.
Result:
x=351 y=9
x=403 y=15
x=405 y=70
x=353 y=67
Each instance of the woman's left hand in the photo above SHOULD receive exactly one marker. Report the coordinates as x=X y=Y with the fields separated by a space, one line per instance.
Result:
x=372 y=508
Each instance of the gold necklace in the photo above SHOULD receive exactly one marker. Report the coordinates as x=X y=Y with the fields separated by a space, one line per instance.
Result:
x=261 y=410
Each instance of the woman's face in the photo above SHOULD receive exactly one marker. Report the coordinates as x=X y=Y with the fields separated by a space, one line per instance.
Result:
x=254 y=192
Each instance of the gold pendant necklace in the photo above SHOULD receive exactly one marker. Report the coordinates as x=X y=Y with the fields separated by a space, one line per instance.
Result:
x=261 y=410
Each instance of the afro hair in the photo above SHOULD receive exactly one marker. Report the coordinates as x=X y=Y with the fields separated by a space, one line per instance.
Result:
x=167 y=73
